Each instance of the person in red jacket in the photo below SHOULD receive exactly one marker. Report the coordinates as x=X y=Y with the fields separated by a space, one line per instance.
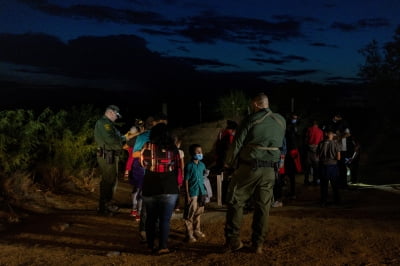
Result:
x=224 y=140
x=314 y=135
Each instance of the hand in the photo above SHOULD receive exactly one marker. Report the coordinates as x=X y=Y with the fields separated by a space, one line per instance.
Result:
x=129 y=135
x=126 y=175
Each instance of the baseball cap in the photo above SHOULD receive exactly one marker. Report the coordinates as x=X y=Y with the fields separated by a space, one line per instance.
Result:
x=115 y=109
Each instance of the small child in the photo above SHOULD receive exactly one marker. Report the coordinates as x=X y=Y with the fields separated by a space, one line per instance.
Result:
x=195 y=193
x=328 y=152
x=136 y=195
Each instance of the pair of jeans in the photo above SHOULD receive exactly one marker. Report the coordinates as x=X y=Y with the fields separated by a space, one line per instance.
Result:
x=330 y=174
x=159 y=209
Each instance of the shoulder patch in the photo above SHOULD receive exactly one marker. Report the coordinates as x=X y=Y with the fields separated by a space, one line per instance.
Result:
x=107 y=127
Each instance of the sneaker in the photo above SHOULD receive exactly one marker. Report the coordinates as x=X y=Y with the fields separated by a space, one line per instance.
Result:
x=277 y=204
x=112 y=208
x=258 y=249
x=163 y=251
x=199 y=234
x=133 y=213
x=142 y=236
x=137 y=218
x=191 y=239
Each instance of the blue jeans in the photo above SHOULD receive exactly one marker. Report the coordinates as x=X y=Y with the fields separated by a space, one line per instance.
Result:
x=159 y=210
x=329 y=173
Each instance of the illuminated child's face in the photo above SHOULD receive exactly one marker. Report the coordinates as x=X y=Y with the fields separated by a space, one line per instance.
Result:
x=198 y=150
x=198 y=154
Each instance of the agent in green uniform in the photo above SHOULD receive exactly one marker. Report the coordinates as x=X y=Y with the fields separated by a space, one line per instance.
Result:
x=255 y=152
x=109 y=141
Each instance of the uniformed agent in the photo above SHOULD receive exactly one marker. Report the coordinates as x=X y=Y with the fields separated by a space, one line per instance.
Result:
x=255 y=154
x=109 y=141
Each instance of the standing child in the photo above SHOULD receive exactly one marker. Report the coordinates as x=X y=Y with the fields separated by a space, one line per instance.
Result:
x=328 y=152
x=195 y=193
x=136 y=200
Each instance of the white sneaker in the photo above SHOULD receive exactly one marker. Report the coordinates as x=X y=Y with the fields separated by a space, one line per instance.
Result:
x=277 y=204
x=191 y=239
x=199 y=234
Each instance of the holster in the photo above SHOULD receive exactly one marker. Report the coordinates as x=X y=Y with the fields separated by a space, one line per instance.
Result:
x=109 y=156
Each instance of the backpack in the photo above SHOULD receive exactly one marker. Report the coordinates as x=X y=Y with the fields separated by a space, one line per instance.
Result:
x=159 y=160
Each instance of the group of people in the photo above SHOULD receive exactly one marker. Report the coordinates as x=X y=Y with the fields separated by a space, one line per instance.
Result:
x=156 y=171
x=304 y=152
x=256 y=152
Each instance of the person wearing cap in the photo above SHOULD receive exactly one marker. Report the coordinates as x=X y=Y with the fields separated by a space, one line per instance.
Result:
x=109 y=143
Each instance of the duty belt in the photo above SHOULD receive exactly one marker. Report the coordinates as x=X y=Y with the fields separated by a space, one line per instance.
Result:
x=258 y=163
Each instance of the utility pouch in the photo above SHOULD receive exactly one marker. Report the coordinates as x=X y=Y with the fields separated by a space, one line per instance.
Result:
x=109 y=156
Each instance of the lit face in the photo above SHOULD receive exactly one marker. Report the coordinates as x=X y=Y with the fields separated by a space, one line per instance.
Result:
x=112 y=115
x=198 y=150
x=254 y=107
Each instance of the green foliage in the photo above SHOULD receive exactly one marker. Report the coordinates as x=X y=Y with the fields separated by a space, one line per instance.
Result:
x=234 y=105
x=36 y=144
x=21 y=135
x=373 y=67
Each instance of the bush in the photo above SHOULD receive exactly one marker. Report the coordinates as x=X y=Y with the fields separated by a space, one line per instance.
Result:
x=37 y=144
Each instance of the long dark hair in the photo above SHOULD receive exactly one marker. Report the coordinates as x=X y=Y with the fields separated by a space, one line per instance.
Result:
x=162 y=137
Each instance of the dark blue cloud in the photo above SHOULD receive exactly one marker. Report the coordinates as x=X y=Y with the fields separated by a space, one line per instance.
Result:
x=361 y=24
x=100 y=13
x=321 y=44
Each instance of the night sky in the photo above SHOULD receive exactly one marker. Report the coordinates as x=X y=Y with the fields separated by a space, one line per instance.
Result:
x=187 y=46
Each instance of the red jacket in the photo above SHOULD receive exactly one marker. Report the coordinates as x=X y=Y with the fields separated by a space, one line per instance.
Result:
x=314 y=135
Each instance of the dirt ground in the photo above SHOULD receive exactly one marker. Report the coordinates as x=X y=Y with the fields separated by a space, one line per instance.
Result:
x=364 y=231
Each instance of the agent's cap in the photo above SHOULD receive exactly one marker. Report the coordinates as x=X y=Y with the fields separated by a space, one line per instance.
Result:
x=115 y=109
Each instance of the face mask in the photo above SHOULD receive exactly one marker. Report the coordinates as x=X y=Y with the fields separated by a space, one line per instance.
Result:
x=198 y=156
x=294 y=121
